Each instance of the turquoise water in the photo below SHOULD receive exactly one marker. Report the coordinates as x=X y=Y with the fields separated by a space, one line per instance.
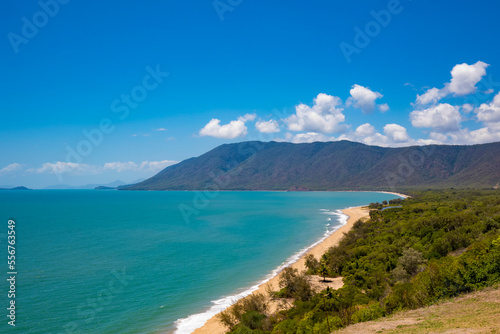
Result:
x=128 y=262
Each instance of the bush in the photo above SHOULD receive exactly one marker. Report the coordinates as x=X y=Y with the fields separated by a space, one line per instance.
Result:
x=369 y=312
x=412 y=261
x=294 y=285
x=253 y=319
x=244 y=308
x=288 y=326
x=312 y=264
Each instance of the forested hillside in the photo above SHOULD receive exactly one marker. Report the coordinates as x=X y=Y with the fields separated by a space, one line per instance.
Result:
x=438 y=244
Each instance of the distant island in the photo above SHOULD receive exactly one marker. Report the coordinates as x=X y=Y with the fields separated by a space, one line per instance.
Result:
x=321 y=166
x=16 y=188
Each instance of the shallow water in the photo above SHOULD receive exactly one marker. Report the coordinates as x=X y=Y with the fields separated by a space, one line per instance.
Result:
x=128 y=262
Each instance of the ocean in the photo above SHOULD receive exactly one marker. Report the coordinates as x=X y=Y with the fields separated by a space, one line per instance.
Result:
x=105 y=261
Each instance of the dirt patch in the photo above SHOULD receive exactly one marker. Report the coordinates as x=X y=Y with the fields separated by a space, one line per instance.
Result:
x=318 y=285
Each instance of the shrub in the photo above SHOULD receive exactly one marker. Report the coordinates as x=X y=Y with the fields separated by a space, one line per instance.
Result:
x=294 y=285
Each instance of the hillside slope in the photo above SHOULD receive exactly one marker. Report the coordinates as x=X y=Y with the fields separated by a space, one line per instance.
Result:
x=331 y=166
x=475 y=312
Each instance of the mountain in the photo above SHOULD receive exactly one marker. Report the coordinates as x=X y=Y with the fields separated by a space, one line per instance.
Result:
x=341 y=165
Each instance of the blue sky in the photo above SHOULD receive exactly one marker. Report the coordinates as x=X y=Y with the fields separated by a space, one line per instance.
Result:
x=131 y=87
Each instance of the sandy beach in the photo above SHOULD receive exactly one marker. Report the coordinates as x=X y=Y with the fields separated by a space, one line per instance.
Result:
x=213 y=326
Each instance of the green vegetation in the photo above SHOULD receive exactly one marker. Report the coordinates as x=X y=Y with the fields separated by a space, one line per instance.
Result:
x=439 y=244
x=340 y=165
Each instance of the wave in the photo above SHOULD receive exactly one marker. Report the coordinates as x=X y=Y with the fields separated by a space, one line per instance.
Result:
x=189 y=324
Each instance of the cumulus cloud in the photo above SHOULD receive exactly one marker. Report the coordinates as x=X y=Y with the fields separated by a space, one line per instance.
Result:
x=156 y=166
x=364 y=130
x=443 y=116
x=396 y=133
x=467 y=108
x=466 y=137
x=150 y=166
x=364 y=98
x=11 y=168
x=310 y=137
x=232 y=130
x=161 y=129
x=431 y=96
x=120 y=166
x=60 y=167
x=325 y=116
x=270 y=126
x=383 y=107
x=464 y=78
x=489 y=112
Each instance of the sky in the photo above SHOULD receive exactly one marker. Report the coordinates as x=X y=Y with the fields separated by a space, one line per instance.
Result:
x=94 y=92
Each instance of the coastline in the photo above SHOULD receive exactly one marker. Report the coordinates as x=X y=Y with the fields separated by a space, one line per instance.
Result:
x=213 y=326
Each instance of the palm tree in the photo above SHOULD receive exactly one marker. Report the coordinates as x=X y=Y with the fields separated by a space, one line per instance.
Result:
x=323 y=271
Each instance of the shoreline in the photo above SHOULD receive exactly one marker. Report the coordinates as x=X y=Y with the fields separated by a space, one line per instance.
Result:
x=353 y=214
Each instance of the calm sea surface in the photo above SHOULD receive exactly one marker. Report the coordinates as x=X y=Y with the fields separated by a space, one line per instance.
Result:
x=92 y=261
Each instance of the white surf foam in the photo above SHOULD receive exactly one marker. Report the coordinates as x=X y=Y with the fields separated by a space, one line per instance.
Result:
x=189 y=324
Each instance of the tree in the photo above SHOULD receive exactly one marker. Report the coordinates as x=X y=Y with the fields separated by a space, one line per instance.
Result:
x=294 y=285
x=312 y=263
x=411 y=261
x=323 y=271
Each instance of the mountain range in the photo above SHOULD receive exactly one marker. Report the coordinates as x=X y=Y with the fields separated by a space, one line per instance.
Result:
x=340 y=165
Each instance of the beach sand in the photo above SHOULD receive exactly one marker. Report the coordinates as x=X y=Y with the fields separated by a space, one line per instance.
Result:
x=213 y=326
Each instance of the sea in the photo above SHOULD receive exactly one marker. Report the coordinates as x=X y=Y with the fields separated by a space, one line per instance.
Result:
x=107 y=261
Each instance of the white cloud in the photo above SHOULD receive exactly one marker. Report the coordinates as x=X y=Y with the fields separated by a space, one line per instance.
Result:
x=11 y=168
x=466 y=137
x=161 y=129
x=396 y=133
x=325 y=116
x=484 y=135
x=310 y=137
x=467 y=108
x=65 y=168
x=232 y=130
x=270 y=126
x=364 y=98
x=443 y=116
x=247 y=117
x=463 y=81
x=489 y=112
x=120 y=166
x=156 y=166
x=464 y=78
x=383 y=107
x=431 y=96
x=364 y=130
x=150 y=166
x=83 y=169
